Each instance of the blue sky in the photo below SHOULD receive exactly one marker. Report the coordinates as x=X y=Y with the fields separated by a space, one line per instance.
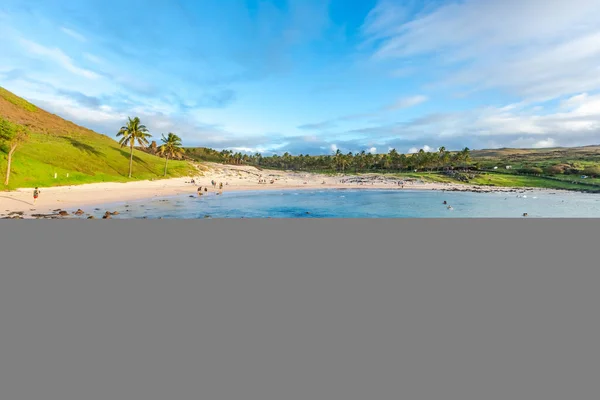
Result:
x=312 y=76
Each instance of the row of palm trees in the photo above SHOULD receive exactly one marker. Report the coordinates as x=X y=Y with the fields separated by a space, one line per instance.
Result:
x=358 y=162
x=134 y=132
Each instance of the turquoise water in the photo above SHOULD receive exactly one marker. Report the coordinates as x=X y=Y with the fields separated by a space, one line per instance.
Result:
x=356 y=203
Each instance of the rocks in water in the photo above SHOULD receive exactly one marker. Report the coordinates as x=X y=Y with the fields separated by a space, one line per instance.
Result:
x=207 y=216
x=63 y=213
x=107 y=215
x=115 y=213
x=79 y=212
x=91 y=217
x=96 y=209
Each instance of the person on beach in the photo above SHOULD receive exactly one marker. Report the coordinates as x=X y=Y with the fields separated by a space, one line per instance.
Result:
x=199 y=190
x=36 y=193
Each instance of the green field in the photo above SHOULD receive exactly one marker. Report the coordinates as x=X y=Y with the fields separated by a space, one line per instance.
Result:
x=503 y=180
x=57 y=146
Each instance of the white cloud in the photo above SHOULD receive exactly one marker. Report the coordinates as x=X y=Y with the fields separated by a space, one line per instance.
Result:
x=73 y=34
x=407 y=102
x=72 y=111
x=425 y=148
x=536 y=49
x=92 y=58
x=575 y=121
x=333 y=148
x=544 y=143
x=372 y=150
x=58 y=56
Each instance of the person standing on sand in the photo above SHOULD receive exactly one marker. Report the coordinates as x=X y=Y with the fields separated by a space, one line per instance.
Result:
x=36 y=193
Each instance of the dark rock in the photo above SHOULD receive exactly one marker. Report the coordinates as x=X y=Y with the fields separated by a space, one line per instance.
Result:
x=115 y=213
x=91 y=217
x=207 y=216
x=79 y=212
x=106 y=216
x=63 y=213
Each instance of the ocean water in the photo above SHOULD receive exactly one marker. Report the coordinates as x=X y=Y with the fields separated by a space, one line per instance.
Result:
x=357 y=203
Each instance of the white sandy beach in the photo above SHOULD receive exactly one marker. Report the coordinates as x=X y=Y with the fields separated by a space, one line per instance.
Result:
x=234 y=178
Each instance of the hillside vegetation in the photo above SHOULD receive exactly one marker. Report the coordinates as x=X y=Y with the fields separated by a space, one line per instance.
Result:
x=55 y=145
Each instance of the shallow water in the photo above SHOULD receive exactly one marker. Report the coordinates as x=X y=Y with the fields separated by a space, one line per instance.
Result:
x=356 y=203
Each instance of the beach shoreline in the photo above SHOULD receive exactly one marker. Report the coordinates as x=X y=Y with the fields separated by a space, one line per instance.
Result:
x=19 y=203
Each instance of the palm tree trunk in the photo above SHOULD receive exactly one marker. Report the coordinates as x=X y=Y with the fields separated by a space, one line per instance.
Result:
x=9 y=162
x=131 y=160
x=166 y=161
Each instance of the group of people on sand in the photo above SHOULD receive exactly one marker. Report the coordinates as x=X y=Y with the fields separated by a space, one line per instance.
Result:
x=264 y=181
x=214 y=184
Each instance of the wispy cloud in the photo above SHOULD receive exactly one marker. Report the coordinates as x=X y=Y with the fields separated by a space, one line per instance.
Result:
x=536 y=49
x=92 y=58
x=318 y=126
x=73 y=34
x=406 y=102
x=58 y=56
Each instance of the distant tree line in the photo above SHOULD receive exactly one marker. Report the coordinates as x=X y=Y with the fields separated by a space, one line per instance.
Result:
x=360 y=162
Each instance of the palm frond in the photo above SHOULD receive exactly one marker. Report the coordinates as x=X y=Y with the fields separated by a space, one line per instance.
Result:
x=124 y=141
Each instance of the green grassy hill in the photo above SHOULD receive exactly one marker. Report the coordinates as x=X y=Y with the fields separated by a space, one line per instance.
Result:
x=62 y=147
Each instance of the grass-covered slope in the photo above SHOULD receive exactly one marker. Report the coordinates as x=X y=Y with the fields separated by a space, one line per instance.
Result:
x=62 y=147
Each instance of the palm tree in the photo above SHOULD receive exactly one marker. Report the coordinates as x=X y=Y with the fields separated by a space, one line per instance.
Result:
x=133 y=132
x=171 y=148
